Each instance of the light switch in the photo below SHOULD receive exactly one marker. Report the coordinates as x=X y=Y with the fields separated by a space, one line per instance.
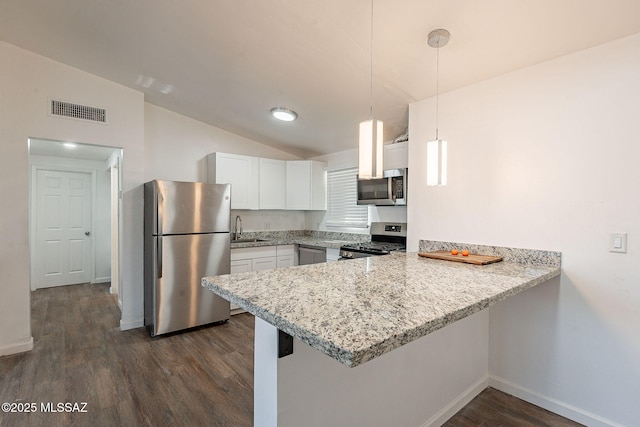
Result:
x=618 y=242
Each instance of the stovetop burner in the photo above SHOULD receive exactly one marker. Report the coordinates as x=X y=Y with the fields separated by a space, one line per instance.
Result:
x=385 y=238
x=375 y=247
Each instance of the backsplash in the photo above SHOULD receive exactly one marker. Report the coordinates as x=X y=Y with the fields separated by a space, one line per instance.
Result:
x=266 y=220
x=319 y=235
x=521 y=256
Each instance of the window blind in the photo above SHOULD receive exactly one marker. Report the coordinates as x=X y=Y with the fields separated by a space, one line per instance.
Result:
x=342 y=200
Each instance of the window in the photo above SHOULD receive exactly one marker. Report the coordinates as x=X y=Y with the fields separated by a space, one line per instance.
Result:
x=342 y=200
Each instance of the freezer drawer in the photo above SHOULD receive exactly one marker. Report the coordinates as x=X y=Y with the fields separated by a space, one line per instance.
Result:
x=174 y=296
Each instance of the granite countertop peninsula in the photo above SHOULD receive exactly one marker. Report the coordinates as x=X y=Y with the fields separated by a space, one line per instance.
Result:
x=323 y=239
x=359 y=309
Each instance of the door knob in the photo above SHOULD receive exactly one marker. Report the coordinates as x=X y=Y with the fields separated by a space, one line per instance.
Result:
x=87 y=233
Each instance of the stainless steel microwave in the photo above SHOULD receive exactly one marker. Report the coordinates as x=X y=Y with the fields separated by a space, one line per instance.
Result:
x=390 y=190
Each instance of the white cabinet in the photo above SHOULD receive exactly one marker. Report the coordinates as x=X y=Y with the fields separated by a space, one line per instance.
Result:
x=396 y=156
x=306 y=185
x=266 y=263
x=242 y=172
x=258 y=183
x=333 y=254
x=262 y=258
x=241 y=266
x=272 y=184
x=286 y=256
x=257 y=257
x=251 y=259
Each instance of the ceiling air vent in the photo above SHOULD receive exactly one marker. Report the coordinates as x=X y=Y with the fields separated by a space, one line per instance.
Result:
x=76 y=111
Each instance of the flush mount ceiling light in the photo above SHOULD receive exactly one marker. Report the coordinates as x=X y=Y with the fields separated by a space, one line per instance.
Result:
x=370 y=138
x=437 y=149
x=284 y=114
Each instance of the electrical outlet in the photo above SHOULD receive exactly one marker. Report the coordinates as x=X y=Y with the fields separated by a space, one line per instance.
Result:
x=267 y=226
x=618 y=243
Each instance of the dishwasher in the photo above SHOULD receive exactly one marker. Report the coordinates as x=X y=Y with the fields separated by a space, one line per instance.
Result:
x=311 y=255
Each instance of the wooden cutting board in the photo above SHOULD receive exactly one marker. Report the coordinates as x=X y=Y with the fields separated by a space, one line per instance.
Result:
x=470 y=259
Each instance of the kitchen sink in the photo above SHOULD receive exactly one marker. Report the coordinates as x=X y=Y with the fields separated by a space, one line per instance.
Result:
x=248 y=240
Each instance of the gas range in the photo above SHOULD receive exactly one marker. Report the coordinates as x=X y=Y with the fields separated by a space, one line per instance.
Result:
x=386 y=237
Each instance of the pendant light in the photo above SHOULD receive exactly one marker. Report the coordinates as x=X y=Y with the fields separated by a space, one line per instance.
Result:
x=437 y=149
x=370 y=138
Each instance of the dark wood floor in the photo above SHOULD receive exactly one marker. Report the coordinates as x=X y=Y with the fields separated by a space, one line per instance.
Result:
x=200 y=378
x=493 y=408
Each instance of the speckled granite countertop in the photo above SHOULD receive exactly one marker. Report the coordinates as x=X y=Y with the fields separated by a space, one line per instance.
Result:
x=359 y=309
x=323 y=239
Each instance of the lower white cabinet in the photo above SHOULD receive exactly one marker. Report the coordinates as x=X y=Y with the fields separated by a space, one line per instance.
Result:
x=286 y=256
x=333 y=254
x=241 y=266
x=266 y=263
x=260 y=258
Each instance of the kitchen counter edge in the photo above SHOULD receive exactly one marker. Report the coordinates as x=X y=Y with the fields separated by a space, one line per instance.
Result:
x=549 y=267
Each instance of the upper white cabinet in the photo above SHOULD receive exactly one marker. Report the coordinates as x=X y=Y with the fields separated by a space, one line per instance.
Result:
x=396 y=156
x=242 y=172
x=272 y=184
x=258 y=183
x=306 y=185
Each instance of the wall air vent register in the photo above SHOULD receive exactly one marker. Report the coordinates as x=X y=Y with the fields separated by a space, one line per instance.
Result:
x=77 y=111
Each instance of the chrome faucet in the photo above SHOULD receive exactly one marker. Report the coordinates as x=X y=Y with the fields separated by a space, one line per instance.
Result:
x=237 y=235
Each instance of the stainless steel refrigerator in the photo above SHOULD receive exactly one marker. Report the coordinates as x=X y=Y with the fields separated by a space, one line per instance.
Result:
x=186 y=226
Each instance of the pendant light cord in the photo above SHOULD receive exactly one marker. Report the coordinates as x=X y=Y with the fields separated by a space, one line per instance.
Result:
x=437 y=84
x=371 y=67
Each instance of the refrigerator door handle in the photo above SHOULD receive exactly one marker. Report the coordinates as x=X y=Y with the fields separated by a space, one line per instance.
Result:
x=159 y=210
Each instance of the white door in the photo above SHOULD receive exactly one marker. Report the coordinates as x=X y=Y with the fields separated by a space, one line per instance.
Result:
x=63 y=228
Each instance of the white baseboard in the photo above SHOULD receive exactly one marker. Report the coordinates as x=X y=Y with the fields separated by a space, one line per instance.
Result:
x=16 y=348
x=131 y=324
x=101 y=280
x=458 y=403
x=550 y=404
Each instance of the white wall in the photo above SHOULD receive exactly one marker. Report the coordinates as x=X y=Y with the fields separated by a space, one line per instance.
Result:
x=546 y=158
x=270 y=220
x=422 y=383
x=27 y=82
x=102 y=214
x=176 y=146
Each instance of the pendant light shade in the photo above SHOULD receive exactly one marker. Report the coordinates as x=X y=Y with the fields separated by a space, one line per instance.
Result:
x=370 y=137
x=437 y=162
x=437 y=149
x=370 y=149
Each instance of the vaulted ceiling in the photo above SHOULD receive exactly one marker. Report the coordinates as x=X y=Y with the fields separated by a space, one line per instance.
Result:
x=227 y=62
